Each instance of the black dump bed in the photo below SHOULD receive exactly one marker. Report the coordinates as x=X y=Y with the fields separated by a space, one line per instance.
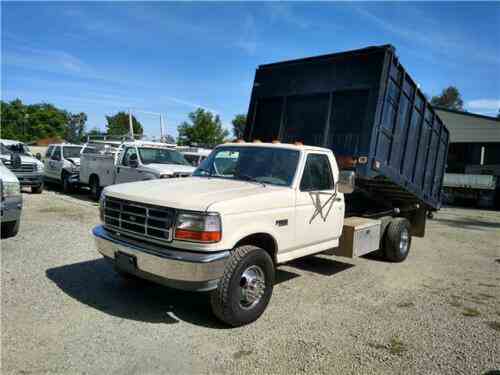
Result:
x=365 y=107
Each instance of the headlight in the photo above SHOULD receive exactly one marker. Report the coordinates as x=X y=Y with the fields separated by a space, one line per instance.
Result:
x=10 y=189
x=198 y=227
x=102 y=199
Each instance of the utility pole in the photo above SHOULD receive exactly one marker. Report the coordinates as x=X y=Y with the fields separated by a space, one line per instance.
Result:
x=162 y=137
x=130 y=124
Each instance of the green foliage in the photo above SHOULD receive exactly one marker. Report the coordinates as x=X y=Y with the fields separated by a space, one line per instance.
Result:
x=76 y=127
x=32 y=122
x=119 y=124
x=239 y=123
x=450 y=98
x=204 y=129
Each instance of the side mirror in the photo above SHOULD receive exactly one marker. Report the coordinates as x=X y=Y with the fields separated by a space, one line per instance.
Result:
x=133 y=162
x=38 y=156
x=346 y=182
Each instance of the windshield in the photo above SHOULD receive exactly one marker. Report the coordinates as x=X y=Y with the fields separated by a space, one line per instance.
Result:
x=71 y=152
x=275 y=166
x=19 y=148
x=161 y=156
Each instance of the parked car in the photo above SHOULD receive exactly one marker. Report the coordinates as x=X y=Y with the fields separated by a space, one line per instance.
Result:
x=62 y=165
x=11 y=202
x=131 y=161
x=17 y=157
x=194 y=155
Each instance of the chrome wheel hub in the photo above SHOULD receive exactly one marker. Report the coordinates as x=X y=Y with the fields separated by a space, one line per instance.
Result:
x=252 y=286
x=404 y=241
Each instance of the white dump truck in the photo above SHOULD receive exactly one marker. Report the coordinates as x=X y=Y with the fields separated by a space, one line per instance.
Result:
x=248 y=208
x=101 y=164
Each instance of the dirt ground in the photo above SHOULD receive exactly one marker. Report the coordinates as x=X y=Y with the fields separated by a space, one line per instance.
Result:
x=65 y=311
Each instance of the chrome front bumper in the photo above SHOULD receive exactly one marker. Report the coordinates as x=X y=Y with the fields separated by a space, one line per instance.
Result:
x=199 y=271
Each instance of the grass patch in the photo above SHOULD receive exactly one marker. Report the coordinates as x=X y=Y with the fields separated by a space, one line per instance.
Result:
x=469 y=311
x=405 y=304
x=494 y=325
x=396 y=346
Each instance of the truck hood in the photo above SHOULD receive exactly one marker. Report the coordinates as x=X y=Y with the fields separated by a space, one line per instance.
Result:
x=202 y=194
x=75 y=161
x=169 y=168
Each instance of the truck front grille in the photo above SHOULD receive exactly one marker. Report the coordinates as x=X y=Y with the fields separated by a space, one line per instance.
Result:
x=139 y=220
x=23 y=168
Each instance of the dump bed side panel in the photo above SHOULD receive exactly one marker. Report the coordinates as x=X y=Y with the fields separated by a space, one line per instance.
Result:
x=410 y=142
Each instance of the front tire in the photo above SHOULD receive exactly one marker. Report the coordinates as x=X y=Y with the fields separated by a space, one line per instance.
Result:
x=37 y=189
x=245 y=288
x=95 y=189
x=397 y=240
x=10 y=229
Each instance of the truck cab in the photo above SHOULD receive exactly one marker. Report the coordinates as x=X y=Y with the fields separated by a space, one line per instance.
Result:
x=62 y=164
x=131 y=161
x=17 y=157
x=248 y=208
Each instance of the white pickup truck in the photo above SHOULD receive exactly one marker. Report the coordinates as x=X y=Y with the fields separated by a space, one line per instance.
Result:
x=102 y=165
x=248 y=208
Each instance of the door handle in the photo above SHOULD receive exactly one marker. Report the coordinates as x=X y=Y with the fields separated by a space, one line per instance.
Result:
x=338 y=199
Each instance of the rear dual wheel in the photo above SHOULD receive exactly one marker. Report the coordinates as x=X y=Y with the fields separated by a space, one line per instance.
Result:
x=397 y=240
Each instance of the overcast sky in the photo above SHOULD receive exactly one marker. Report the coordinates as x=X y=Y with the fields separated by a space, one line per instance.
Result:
x=174 y=57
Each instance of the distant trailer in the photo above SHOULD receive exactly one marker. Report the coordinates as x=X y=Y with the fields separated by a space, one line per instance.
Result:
x=365 y=107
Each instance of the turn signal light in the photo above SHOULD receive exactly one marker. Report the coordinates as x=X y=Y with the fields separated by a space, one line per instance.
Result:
x=192 y=235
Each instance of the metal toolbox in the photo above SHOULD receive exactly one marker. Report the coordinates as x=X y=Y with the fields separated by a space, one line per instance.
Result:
x=360 y=236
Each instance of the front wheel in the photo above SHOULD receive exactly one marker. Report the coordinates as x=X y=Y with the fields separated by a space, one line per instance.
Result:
x=245 y=287
x=37 y=189
x=9 y=229
x=95 y=189
x=66 y=184
x=397 y=240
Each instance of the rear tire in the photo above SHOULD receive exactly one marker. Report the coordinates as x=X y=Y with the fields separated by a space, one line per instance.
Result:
x=245 y=288
x=10 y=229
x=397 y=240
x=37 y=189
x=95 y=189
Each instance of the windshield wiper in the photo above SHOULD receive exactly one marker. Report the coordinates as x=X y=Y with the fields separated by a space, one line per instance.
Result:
x=246 y=177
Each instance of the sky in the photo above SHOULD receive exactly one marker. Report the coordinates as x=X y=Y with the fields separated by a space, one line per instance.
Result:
x=174 y=57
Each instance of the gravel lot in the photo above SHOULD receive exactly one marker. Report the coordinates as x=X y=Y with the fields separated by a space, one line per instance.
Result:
x=65 y=311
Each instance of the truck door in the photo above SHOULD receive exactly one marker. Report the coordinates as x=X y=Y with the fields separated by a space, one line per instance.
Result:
x=319 y=211
x=55 y=163
x=126 y=171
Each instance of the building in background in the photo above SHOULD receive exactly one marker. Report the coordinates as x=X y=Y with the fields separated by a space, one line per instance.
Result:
x=474 y=150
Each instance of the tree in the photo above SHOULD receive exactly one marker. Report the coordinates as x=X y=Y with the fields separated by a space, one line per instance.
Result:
x=239 y=123
x=32 y=122
x=450 y=98
x=204 y=129
x=76 y=127
x=169 y=139
x=119 y=124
